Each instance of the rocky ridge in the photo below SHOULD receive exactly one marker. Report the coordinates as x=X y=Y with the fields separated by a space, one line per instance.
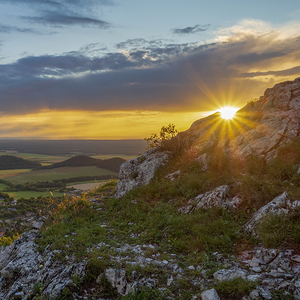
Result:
x=260 y=127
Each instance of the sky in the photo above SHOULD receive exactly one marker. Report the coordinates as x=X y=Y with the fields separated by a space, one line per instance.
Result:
x=108 y=69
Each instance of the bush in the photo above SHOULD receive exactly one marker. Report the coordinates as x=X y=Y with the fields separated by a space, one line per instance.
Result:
x=165 y=134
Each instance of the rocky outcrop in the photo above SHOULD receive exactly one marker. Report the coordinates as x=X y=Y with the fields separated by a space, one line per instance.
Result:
x=260 y=128
x=215 y=198
x=280 y=205
x=139 y=171
x=23 y=267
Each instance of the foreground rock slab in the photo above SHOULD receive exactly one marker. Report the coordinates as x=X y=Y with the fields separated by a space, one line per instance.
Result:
x=22 y=266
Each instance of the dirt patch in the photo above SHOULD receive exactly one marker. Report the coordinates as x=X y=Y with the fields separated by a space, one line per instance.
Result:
x=85 y=186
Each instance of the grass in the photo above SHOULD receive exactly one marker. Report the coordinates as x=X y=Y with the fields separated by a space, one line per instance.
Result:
x=280 y=230
x=58 y=173
x=3 y=186
x=33 y=194
x=234 y=289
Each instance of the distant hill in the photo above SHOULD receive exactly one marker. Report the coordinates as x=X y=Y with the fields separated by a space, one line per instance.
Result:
x=10 y=162
x=112 y=164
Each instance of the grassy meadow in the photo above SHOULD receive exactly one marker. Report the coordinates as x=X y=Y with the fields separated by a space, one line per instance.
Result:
x=57 y=174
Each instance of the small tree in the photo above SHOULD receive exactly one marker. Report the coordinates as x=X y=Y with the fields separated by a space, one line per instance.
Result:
x=166 y=133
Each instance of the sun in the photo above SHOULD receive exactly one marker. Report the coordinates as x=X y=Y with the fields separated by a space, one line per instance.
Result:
x=228 y=112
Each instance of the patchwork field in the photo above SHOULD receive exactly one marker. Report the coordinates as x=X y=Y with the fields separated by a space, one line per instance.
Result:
x=57 y=174
x=29 y=194
x=41 y=158
x=6 y=173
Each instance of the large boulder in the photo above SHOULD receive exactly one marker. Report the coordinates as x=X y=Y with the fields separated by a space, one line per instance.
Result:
x=139 y=171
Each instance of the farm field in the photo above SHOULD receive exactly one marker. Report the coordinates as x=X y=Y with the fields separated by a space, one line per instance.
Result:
x=41 y=158
x=57 y=174
x=85 y=186
x=107 y=156
x=29 y=194
x=6 y=173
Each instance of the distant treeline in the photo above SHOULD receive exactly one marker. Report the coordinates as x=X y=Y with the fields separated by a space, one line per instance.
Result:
x=66 y=147
x=10 y=162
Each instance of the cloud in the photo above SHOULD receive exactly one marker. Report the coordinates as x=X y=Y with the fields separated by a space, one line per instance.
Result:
x=57 y=18
x=190 y=29
x=9 y=29
x=154 y=76
x=65 y=12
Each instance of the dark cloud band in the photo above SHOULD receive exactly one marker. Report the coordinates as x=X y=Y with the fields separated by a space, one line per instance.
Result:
x=169 y=77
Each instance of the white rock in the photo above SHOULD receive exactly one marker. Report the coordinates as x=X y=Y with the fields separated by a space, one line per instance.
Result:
x=118 y=280
x=214 y=198
x=276 y=206
x=254 y=277
x=170 y=281
x=139 y=171
x=202 y=160
x=229 y=274
x=173 y=176
x=210 y=295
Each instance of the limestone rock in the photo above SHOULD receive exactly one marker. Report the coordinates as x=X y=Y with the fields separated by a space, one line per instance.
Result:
x=203 y=161
x=210 y=295
x=214 y=198
x=229 y=274
x=278 y=205
x=173 y=176
x=22 y=261
x=139 y=171
x=118 y=280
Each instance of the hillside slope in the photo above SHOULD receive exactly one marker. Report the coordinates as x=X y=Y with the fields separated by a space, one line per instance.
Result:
x=10 y=162
x=112 y=164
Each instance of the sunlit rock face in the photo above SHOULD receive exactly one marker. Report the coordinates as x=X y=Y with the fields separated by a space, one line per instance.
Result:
x=259 y=128
x=139 y=171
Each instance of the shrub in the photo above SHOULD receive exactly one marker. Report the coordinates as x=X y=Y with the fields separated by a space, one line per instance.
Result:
x=165 y=134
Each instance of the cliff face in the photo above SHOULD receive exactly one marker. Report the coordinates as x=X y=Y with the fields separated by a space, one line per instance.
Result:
x=259 y=128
